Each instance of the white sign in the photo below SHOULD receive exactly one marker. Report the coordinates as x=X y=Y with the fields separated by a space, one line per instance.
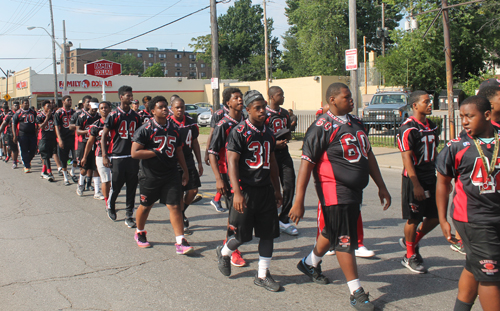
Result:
x=215 y=83
x=351 y=59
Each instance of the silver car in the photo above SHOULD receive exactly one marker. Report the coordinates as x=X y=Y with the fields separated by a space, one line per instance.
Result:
x=204 y=118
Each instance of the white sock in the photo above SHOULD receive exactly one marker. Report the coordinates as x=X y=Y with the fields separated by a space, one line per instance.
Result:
x=140 y=230
x=81 y=181
x=72 y=171
x=65 y=174
x=179 y=238
x=283 y=225
x=264 y=263
x=1 y=152
x=312 y=259
x=97 y=184
x=354 y=285
x=225 y=251
x=59 y=169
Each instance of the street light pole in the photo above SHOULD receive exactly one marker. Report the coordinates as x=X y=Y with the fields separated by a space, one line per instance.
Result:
x=266 y=53
x=449 y=69
x=65 y=57
x=215 y=53
x=53 y=52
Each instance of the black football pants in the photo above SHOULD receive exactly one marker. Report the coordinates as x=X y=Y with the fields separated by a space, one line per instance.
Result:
x=124 y=172
x=27 y=143
x=287 y=180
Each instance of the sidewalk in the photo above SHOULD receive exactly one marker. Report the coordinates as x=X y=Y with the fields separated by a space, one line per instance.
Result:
x=386 y=157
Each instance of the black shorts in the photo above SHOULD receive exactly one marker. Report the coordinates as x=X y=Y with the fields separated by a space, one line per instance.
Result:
x=194 y=180
x=46 y=148
x=69 y=145
x=413 y=209
x=167 y=190
x=260 y=214
x=10 y=142
x=482 y=246
x=340 y=228
x=90 y=164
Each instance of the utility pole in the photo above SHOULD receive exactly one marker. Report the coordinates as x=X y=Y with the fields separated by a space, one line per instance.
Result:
x=65 y=57
x=383 y=29
x=364 y=59
x=215 y=54
x=266 y=50
x=353 y=44
x=449 y=69
x=53 y=52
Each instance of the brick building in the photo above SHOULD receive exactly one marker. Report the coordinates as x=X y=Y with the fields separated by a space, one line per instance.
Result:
x=174 y=63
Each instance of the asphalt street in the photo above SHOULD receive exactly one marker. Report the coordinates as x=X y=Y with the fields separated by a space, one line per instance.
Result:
x=60 y=251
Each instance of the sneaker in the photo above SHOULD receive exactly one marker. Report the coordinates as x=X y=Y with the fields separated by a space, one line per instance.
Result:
x=75 y=179
x=66 y=182
x=7 y=158
x=50 y=177
x=60 y=172
x=237 y=260
x=459 y=247
x=184 y=248
x=218 y=206
x=360 y=301
x=140 y=238
x=402 y=242
x=27 y=170
x=99 y=196
x=413 y=264
x=363 y=252
x=44 y=175
x=268 y=283
x=314 y=273
x=111 y=214
x=330 y=252
x=129 y=221
x=79 y=190
x=223 y=262
x=14 y=166
x=197 y=198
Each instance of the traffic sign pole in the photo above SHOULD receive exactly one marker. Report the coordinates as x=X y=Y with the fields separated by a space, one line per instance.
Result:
x=103 y=69
x=103 y=90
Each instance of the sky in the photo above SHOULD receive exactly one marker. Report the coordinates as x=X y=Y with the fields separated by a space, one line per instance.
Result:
x=99 y=23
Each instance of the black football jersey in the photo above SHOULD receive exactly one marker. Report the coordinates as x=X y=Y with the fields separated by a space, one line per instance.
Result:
x=24 y=122
x=254 y=147
x=122 y=126
x=188 y=131
x=84 y=121
x=145 y=116
x=2 y=116
x=218 y=115
x=75 y=116
x=422 y=140
x=163 y=140
x=47 y=132
x=278 y=120
x=476 y=197
x=339 y=149
x=219 y=140
x=8 y=120
x=96 y=131
x=62 y=120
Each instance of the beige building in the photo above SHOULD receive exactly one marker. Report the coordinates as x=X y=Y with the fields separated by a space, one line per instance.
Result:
x=174 y=63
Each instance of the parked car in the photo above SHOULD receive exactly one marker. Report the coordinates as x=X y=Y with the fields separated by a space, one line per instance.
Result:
x=205 y=118
x=387 y=109
x=204 y=105
x=194 y=110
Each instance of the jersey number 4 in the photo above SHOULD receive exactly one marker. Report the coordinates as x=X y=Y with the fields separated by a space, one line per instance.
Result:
x=126 y=130
x=487 y=184
x=352 y=152
x=261 y=155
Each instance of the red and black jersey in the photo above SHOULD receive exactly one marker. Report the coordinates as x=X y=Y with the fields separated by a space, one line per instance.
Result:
x=122 y=126
x=495 y=124
x=339 y=149
x=188 y=131
x=476 y=197
x=276 y=121
x=96 y=131
x=8 y=120
x=218 y=115
x=163 y=140
x=2 y=116
x=62 y=120
x=145 y=116
x=422 y=140
x=219 y=140
x=75 y=116
x=84 y=121
x=47 y=132
x=24 y=122
x=254 y=147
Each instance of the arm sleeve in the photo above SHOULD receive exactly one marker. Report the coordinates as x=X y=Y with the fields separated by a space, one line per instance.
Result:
x=445 y=162
x=109 y=122
x=316 y=140
x=140 y=136
x=406 y=138
x=236 y=141
x=218 y=140
x=40 y=118
x=74 y=118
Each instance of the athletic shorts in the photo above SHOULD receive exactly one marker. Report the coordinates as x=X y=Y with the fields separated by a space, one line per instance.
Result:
x=194 y=180
x=260 y=215
x=167 y=190
x=90 y=164
x=482 y=246
x=104 y=172
x=340 y=228
x=69 y=144
x=413 y=209
x=46 y=148
x=10 y=142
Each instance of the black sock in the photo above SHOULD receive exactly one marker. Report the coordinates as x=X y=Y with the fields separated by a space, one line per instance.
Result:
x=462 y=306
x=266 y=247
x=88 y=181
x=233 y=244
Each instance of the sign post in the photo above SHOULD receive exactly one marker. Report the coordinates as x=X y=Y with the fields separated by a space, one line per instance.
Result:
x=103 y=69
x=351 y=59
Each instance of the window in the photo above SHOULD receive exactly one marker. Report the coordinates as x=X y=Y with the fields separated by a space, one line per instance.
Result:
x=151 y=55
x=162 y=55
x=202 y=65
x=178 y=56
x=203 y=74
x=178 y=65
x=72 y=64
x=150 y=64
x=178 y=74
x=192 y=56
x=192 y=65
x=166 y=71
x=192 y=74
x=163 y=64
x=139 y=54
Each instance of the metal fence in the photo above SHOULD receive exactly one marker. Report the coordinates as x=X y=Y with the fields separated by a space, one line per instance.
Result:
x=383 y=128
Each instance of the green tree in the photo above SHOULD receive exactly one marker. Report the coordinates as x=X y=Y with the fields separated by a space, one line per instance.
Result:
x=154 y=71
x=241 y=42
x=130 y=64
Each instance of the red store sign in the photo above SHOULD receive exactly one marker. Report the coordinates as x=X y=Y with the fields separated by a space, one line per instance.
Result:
x=21 y=85
x=85 y=84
